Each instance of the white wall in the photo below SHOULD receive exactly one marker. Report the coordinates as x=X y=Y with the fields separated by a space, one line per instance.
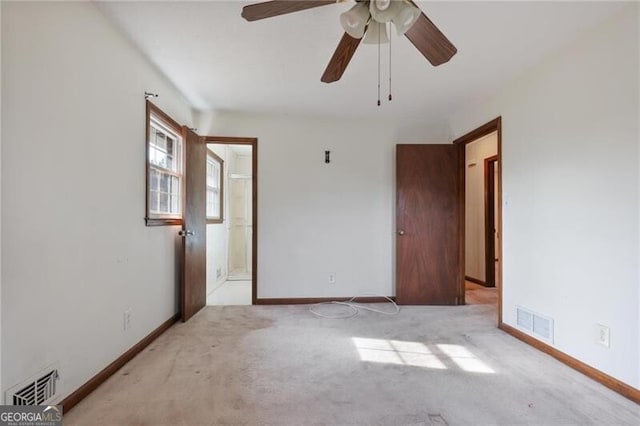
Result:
x=316 y=218
x=638 y=216
x=1 y=382
x=571 y=192
x=75 y=250
x=475 y=154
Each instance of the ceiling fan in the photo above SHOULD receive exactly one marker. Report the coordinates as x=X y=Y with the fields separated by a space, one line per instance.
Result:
x=367 y=19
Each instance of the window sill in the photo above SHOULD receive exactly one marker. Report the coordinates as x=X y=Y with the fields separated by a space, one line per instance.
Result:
x=214 y=221
x=156 y=221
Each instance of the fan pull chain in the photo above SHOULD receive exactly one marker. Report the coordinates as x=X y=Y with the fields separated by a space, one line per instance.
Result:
x=378 y=63
x=390 y=36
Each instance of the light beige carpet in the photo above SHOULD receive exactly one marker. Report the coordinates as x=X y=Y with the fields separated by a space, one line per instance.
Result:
x=280 y=365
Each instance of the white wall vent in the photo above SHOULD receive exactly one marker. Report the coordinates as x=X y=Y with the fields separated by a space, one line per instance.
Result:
x=535 y=324
x=525 y=319
x=39 y=389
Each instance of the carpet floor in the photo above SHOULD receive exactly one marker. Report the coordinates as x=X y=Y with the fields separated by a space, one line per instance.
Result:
x=281 y=365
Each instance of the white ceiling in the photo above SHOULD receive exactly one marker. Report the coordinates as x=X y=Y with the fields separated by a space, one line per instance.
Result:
x=243 y=150
x=221 y=62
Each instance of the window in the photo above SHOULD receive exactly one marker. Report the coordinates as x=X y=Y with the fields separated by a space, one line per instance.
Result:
x=164 y=168
x=214 y=188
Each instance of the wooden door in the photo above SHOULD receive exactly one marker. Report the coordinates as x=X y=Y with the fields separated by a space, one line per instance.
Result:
x=430 y=225
x=194 y=232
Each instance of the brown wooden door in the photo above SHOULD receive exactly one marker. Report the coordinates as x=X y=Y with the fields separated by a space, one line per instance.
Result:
x=194 y=231
x=429 y=220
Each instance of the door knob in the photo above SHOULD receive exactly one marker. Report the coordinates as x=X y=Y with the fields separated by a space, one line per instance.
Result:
x=401 y=232
x=186 y=233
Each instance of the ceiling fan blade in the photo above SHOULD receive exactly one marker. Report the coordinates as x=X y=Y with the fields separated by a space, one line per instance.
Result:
x=340 y=59
x=268 y=9
x=430 y=41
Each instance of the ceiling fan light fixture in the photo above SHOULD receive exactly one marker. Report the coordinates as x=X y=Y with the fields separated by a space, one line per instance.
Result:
x=360 y=19
x=354 y=21
x=384 y=11
x=382 y=4
x=376 y=33
x=406 y=16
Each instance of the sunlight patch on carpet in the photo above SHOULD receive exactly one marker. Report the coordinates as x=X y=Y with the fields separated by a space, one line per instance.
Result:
x=465 y=359
x=397 y=352
x=416 y=354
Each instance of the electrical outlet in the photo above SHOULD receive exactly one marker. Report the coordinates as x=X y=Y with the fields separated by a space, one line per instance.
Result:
x=332 y=277
x=603 y=335
x=127 y=319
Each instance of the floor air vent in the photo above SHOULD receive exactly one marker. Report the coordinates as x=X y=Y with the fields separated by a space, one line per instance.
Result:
x=535 y=324
x=38 y=390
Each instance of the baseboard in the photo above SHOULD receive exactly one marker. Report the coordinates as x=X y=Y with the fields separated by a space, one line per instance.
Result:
x=475 y=280
x=217 y=285
x=79 y=394
x=312 y=300
x=612 y=383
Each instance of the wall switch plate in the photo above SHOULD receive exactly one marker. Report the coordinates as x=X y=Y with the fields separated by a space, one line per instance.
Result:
x=603 y=336
x=332 y=277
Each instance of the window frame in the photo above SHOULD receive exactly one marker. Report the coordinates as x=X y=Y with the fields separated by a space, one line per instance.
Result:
x=159 y=219
x=213 y=156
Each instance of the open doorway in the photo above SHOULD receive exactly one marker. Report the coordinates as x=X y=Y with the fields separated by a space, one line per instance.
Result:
x=231 y=214
x=482 y=245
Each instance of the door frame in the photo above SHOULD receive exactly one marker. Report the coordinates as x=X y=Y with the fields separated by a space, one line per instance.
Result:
x=228 y=140
x=494 y=125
